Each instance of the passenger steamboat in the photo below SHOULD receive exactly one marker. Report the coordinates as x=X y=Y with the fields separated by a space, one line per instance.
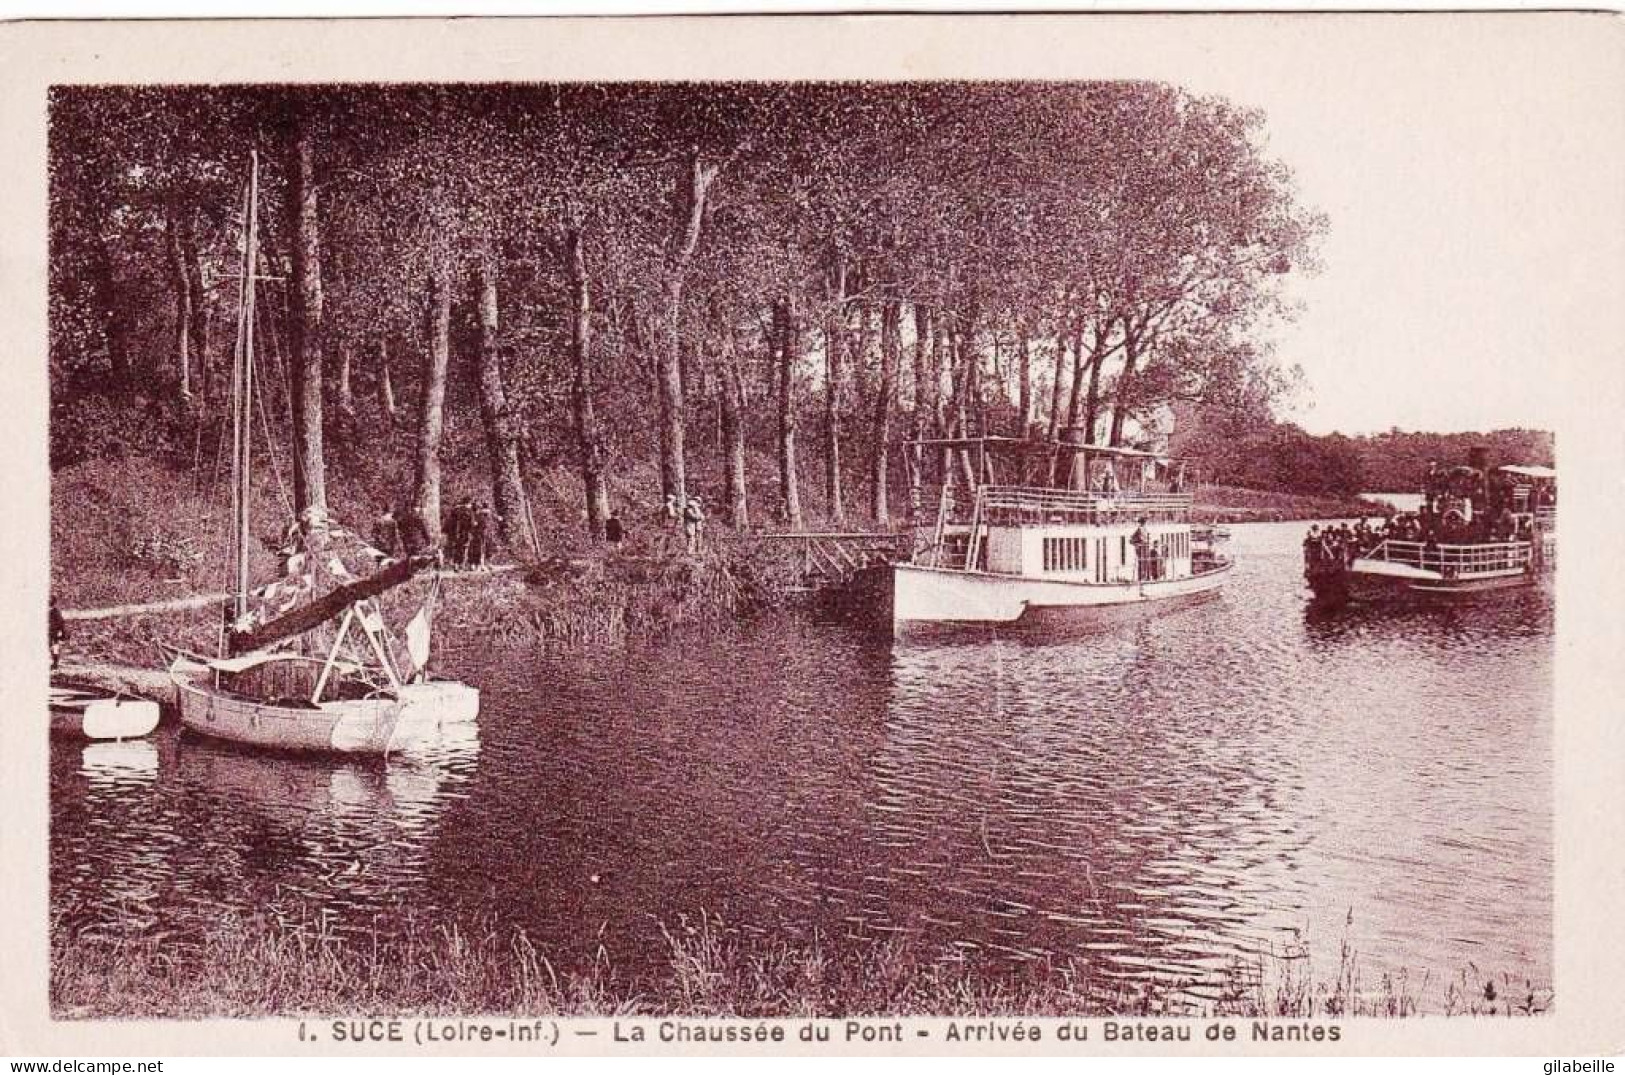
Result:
x=1478 y=529
x=1027 y=528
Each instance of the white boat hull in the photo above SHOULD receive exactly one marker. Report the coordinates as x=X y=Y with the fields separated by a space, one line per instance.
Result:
x=381 y=725
x=104 y=718
x=934 y=595
x=451 y=702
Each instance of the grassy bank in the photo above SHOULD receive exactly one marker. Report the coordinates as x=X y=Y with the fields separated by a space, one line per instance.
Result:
x=135 y=530
x=247 y=967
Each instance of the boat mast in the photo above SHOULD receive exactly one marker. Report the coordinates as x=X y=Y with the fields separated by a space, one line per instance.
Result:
x=242 y=404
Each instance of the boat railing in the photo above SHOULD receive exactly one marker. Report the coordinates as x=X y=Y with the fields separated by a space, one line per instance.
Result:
x=1027 y=504
x=1454 y=559
x=1546 y=519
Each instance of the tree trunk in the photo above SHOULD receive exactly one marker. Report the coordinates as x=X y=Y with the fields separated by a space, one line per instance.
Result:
x=386 y=384
x=1058 y=401
x=501 y=439
x=590 y=437
x=733 y=432
x=201 y=314
x=182 y=281
x=306 y=342
x=431 y=411
x=1091 y=405
x=788 y=337
x=834 y=353
x=1125 y=385
x=1082 y=363
x=669 y=362
x=1024 y=359
x=891 y=348
x=925 y=393
x=346 y=394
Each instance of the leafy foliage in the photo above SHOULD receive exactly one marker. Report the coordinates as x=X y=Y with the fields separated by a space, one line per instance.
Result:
x=1135 y=230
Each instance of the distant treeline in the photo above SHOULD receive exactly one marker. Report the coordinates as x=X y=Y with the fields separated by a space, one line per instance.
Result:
x=1285 y=457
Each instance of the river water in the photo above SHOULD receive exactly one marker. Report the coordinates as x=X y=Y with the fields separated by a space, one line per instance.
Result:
x=1151 y=796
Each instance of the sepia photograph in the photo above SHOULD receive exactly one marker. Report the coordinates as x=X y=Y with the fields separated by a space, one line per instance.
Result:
x=695 y=548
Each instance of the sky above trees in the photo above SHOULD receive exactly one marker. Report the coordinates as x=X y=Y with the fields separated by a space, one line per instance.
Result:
x=1463 y=282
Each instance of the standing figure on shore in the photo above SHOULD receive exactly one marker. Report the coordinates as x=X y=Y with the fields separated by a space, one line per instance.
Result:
x=386 y=534
x=414 y=534
x=693 y=523
x=483 y=535
x=614 y=532
x=459 y=524
x=59 y=632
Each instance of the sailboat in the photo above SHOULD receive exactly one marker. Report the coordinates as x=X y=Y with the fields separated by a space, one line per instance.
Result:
x=307 y=662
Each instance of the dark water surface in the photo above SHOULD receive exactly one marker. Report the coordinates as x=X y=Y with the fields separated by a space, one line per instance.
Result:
x=1152 y=796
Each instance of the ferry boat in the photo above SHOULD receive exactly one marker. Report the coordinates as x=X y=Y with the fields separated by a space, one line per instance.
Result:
x=1073 y=527
x=1477 y=530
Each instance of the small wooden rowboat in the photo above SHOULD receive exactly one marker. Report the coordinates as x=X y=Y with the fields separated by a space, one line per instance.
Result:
x=95 y=714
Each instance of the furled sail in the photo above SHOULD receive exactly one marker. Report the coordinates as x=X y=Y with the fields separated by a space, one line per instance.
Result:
x=327 y=608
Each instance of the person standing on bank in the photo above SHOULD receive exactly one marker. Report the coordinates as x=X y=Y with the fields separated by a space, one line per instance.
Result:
x=386 y=536
x=693 y=523
x=613 y=530
x=459 y=522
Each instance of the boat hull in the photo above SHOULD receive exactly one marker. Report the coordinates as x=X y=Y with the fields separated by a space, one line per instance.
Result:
x=381 y=725
x=924 y=596
x=105 y=718
x=449 y=701
x=1367 y=582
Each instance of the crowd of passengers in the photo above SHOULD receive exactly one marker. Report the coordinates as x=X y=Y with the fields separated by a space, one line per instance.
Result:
x=1461 y=506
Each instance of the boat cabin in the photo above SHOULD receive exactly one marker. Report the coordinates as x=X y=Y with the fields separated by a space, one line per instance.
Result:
x=1057 y=509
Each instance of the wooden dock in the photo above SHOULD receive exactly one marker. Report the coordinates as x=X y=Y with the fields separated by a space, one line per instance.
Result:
x=150 y=683
x=834 y=559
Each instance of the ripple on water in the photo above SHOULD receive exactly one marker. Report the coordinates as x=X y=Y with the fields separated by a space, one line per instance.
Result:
x=1155 y=798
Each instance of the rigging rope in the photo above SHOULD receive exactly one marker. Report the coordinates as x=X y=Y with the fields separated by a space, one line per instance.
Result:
x=265 y=422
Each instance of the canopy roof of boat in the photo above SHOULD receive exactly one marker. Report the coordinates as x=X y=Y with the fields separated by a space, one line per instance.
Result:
x=1530 y=471
x=995 y=441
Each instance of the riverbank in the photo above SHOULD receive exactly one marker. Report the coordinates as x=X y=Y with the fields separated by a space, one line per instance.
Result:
x=133 y=537
x=255 y=967
x=1234 y=504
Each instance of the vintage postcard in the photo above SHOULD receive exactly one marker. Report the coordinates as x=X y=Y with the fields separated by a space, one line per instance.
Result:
x=828 y=534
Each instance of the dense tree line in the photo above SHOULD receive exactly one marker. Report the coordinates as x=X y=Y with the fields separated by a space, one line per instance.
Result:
x=1245 y=446
x=690 y=274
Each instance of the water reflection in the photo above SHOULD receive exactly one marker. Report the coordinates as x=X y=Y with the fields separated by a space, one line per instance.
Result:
x=119 y=764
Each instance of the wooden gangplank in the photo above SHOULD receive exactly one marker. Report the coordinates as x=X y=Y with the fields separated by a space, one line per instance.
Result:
x=833 y=558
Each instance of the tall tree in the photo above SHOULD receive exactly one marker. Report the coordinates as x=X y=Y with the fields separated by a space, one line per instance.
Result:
x=835 y=331
x=306 y=341
x=432 y=403
x=787 y=343
x=588 y=433
x=501 y=436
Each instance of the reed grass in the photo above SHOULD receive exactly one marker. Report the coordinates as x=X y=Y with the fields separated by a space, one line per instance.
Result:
x=648 y=588
x=255 y=966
